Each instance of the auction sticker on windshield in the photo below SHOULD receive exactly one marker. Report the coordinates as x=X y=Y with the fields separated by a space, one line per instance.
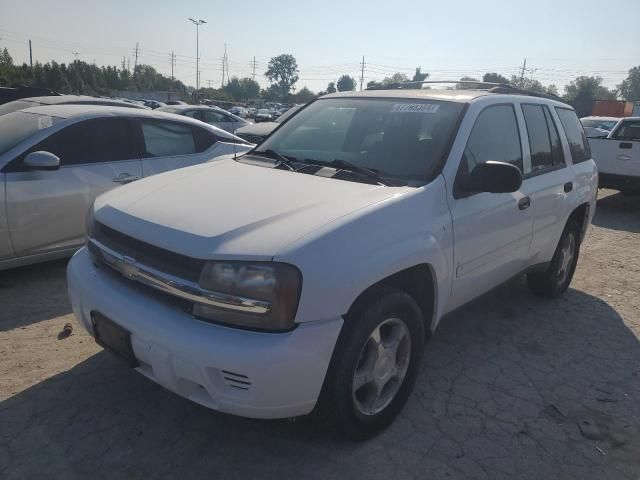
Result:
x=415 y=108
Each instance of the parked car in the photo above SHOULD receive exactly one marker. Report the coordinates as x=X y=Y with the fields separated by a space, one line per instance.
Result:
x=212 y=115
x=153 y=104
x=307 y=274
x=175 y=102
x=9 y=94
x=239 y=111
x=64 y=100
x=597 y=126
x=618 y=156
x=55 y=160
x=257 y=132
x=264 y=115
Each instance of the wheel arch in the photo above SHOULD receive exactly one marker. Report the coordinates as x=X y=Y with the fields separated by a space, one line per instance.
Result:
x=418 y=281
x=580 y=215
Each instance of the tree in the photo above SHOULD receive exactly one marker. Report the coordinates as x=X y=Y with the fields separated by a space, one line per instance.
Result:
x=5 y=58
x=250 y=88
x=493 y=77
x=630 y=87
x=331 y=88
x=283 y=72
x=395 y=78
x=583 y=92
x=304 y=95
x=419 y=76
x=346 y=84
x=468 y=86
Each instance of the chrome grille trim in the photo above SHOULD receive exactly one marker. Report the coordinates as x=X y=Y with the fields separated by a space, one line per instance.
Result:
x=173 y=285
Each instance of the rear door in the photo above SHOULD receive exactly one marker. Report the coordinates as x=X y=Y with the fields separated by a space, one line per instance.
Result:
x=548 y=182
x=46 y=210
x=169 y=145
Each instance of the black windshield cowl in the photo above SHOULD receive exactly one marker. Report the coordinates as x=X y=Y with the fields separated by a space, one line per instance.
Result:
x=352 y=167
x=282 y=160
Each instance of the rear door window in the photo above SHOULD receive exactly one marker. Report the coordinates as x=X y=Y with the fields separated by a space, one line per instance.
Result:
x=166 y=139
x=544 y=143
x=576 y=137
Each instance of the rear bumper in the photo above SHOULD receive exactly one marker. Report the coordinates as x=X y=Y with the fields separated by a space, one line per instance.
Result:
x=618 y=182
x=259 y=375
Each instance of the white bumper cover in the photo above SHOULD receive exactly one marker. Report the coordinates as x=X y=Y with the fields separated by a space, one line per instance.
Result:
x=252 y=374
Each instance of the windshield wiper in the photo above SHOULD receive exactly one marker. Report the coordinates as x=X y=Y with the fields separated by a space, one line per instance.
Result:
x=282 y=160
x=352 y=167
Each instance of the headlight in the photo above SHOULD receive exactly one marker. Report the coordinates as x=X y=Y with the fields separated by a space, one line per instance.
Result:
x=261 y=296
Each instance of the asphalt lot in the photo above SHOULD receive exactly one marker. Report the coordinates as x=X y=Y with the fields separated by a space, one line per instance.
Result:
x=512 y=386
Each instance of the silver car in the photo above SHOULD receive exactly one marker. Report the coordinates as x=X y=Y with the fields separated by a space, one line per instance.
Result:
x=31 y=102
x=55 y=160
x=211 y=115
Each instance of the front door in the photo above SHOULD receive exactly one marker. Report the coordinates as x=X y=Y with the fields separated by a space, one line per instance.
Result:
x=46 y=210
x=492 y=231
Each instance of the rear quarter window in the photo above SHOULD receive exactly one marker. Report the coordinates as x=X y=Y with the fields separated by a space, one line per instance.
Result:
x=576 y=137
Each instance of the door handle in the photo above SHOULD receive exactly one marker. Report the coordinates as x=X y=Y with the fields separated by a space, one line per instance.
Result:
x=124 y=178
x=624 y=158
x=568 y=187
x=626 y=145
x=524 y=203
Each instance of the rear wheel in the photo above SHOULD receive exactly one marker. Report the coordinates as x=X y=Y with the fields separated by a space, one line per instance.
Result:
x=556 y=279
x=374 y=366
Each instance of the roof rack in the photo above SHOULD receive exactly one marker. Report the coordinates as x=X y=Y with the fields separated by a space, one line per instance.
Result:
x=491 y=87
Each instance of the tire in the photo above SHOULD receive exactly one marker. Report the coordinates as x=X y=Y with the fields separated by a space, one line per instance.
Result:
x=394 y=314
x=555 y=280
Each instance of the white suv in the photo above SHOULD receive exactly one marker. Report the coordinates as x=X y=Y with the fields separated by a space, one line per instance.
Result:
x=307 y=275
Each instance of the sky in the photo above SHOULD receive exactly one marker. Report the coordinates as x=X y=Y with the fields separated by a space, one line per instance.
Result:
x=560 y=39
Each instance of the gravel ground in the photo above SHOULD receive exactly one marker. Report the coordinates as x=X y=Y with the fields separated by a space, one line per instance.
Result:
x=512 y=386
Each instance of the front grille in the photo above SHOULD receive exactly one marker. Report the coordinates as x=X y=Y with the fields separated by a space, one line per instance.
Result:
x=172 y=263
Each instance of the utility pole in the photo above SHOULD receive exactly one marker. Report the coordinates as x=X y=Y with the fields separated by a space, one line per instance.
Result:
x=226 y=62
x=222 y=84
x=254 y=68
x=30 y=54
x=173 y=64
x=123 y=63
x=209 y=82
x=362 y=74
x=75 y=54
x=128 y=64
x=197 y=23
x=135 y=64
x=524 y=66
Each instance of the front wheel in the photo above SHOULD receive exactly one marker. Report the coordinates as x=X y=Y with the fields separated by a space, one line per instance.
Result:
x=374 y=366
x=556 y=279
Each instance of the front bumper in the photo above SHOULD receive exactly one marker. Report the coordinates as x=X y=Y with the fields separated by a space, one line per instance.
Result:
x=252 y=374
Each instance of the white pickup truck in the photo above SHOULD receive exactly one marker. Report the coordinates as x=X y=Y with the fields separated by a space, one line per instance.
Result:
x=618 y=156
x=306 y=275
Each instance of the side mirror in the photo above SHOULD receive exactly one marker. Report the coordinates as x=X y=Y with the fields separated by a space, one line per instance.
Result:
x=493 y=177
x=42 y=160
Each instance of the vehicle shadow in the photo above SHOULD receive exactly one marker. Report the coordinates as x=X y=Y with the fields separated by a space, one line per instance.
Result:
x=34 y=293
x=618 y=212
x=505 y=382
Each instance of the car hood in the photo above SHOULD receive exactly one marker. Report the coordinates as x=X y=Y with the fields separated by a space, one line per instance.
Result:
x=229 y=209
x=259 y=129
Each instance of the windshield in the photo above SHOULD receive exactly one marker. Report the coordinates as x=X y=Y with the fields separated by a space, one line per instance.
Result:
x=601 y=124
x=17 y=126
x=288 y=113
x=398 y=138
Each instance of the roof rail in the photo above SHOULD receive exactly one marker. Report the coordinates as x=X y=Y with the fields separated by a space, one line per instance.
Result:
x=491 y=87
